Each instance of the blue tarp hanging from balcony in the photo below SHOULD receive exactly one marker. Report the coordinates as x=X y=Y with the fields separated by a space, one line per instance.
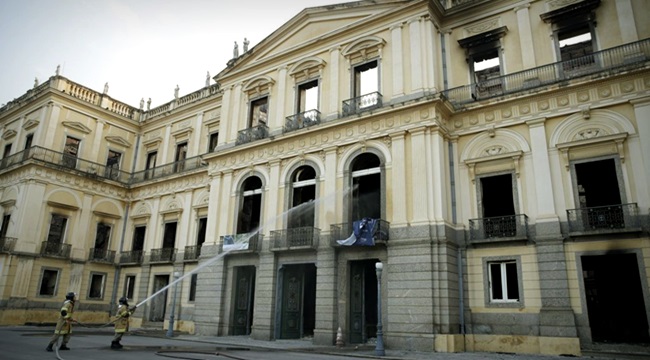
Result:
x=363 y=233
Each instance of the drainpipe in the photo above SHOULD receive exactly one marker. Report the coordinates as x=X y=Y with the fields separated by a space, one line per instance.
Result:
x=443 y=50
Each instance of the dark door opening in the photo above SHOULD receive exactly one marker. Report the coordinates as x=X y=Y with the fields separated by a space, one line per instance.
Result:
x=614 y=297
x=243 y=300
x=599 y=194
x=363 y=301
x=498 y=206
x=159 y=302
x=298 y=314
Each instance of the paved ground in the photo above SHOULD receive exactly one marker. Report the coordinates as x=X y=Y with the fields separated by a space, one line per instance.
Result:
x=29 y=342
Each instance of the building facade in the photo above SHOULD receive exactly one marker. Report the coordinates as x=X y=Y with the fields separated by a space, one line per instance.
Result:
x=494 y=156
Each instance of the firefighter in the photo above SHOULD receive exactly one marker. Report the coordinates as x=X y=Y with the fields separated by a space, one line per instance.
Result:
x=121 y=321
x=64 y=325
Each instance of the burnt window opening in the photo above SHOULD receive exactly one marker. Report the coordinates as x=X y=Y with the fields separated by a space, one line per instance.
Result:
x=57 y=229
x=599 y=194
x=303 y=185
x=28 y=141
x=483 y=53
x=200 y=236
x=214 y=141
x=486 y=66
x=308 y=96
x=7 y=151
x=48 y=284
x=169 y=237
x=504 y=282
x=151 y=164
x=192 y=295
x=366 y=187
x=366 y=78
x=102 y=236
x=181 y=155
x=498 y=206
x=248 y=219
x=575 y=42
x=5 y=225
x=129 y=286
x=113 y=159
x=259 y=112
x=138 y=238
x=96 y=287
x=70 y=152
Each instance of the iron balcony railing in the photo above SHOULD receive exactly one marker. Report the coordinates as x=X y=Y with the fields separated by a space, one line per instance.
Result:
x=449 y=4
x=253 y=133
x=302 y=120
x=131 y=257
x=177 y=167
x=362 y=103
x=66 y=162
x=165 y=255
x=7 y=244
x=192 y=252
x=498 y=228
x=345 y=230
x=101 y=255
x=55 y=249
x=612 y=60
x=604 y=219
x=241 y=243
x=296 y=238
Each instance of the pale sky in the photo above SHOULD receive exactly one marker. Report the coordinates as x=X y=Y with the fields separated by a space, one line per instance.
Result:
x=141 y=48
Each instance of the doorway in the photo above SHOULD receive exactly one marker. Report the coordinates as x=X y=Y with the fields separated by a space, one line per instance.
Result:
x=363 y=301
x=614 y=296
x=243 y=300
x=159 y=302
x=298 y=309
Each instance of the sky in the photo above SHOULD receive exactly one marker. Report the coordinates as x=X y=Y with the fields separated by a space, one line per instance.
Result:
x=141 y=48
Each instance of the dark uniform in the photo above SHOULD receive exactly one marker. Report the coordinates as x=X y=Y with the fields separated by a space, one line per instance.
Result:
x=121 y=322
x=64 y=324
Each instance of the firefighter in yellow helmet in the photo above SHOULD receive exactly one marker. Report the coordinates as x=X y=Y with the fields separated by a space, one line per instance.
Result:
x=64 y=324
x=121 y=321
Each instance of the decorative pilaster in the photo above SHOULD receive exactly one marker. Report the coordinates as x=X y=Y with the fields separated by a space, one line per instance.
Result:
x=398 y=61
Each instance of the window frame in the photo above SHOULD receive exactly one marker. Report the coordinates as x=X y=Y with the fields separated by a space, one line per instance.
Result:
x=129 y=286
x=252 y=120
x=487 y=280
x=192 y=290
x=64 y=229
x=91 y=276
x=56 y=282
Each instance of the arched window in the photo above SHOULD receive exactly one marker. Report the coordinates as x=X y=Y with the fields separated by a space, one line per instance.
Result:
x=303 y=192
x=250 y=205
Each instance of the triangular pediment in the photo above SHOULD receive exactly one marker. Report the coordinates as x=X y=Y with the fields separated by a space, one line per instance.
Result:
x=77 y=126
x=8 y=134
x=30 y=124
x=323 y=27
x=118 y=140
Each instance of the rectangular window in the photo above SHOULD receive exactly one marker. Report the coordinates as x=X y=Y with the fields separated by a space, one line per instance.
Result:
x=56 y=233
x=113 y=164
x=308 y=96
x=70 y=152
x=102 y=236
x=129 y=286
x=201 y=232
x=504 y=283
x=28 y=141
x=214 y=141
x=49 y=279
x=193 y=287
x=7 y=151
x=181 y=155
x=366 y=79
x=96 y=287
x=5 y=225
x=575 y=42
x=259 y=112
x=138 y=238
x=150 y=165
x=169 y=237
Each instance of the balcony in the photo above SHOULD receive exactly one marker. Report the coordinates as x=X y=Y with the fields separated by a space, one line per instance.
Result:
x=192 y=253
x=177 y=167
x=606 y=62
x=302 y=238
x=131 y=257
x=302 y=120
x=253 y=133
x=362 y=103
x=101 y=255
x=604 y=220
x=241 y=243
x=449 y=4
x=163 y=255
x=55 y=250
x=7 y=244
x=346 y=231
x=498 y=229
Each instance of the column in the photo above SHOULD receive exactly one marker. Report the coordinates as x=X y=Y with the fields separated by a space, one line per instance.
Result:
x=398 y=193
x=195 y=141
x=39 y=134
x=234 y=122
x=30 y=222
x=436 y=155
x=277 y=121
x=626 y=20
x=332 y=112
x=642 y=113
x=50 y=125
x=429 y=55
x=97 y=139
x=525 y=36
x=214 y=210
x=398 y=61
x=327 y=211
x=224 y=224
x=225 y=121
x=547 y=220
x=416 y=54
x=164 y=152
x=419 y=213
x=273 y=209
